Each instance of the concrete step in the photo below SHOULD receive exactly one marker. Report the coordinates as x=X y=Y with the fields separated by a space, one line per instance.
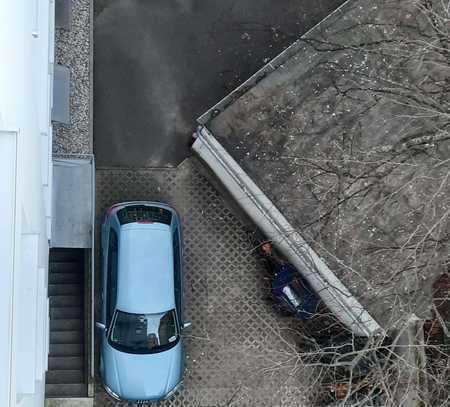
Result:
x=66 y=313
x=66 y=325
x=66 y=267
x=65 y=362
x=66 y=349
x=66 y=255
x=66 y=301
x=66 y=337
x=66 y=390
x=65 y=289
x=64 y=376
x=70 y=402
x=65 y=278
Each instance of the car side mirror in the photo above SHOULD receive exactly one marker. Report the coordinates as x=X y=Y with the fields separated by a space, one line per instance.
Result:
x=101 y=326
x=187 y=325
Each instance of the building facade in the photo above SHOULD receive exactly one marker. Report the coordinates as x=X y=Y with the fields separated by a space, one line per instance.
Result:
x=26 y=89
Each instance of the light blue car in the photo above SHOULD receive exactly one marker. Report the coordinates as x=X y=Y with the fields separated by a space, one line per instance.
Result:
x=142 y=351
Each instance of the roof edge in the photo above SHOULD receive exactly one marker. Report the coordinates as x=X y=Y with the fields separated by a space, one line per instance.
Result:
x=277 y=228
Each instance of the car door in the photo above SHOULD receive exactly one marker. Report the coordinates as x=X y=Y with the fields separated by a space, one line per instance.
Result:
x=109 y=290
x=178 y=274
x=111 y=276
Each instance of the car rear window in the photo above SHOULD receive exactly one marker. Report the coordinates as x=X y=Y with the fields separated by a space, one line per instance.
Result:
x=144 y=214
x=144 y=333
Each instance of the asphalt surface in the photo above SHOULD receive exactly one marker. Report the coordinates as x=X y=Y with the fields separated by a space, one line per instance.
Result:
x=160 y=64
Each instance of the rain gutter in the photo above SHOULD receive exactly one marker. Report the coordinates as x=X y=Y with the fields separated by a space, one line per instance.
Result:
x=276 y=227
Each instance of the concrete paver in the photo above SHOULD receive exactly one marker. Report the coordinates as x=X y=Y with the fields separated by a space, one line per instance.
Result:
x=236 y=341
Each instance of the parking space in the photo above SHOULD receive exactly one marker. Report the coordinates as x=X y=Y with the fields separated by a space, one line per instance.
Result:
x=239 y=353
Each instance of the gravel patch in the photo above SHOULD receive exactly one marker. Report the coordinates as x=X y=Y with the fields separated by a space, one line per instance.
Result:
x=73 y=49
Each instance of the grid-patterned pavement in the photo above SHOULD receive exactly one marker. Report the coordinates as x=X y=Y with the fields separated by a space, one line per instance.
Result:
x=239 y=353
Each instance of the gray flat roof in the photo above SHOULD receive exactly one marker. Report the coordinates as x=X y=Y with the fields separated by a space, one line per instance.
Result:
x=331 y=132
x=72 y=202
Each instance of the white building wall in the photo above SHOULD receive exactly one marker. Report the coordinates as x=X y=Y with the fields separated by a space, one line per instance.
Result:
x=26 y=70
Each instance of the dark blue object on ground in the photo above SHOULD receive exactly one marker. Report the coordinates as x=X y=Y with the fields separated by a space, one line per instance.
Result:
x=294 y=293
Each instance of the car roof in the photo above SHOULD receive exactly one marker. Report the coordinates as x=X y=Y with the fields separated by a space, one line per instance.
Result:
x=145 y=270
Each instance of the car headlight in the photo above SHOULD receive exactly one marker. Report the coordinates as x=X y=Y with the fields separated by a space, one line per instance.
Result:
x=171 y=392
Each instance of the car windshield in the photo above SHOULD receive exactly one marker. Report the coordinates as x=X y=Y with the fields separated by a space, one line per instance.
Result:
x=144 y=333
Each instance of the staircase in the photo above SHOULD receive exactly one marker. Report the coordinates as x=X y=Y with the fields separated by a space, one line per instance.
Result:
x=66 y=375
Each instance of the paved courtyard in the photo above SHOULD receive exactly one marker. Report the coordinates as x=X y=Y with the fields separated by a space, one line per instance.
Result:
x=239 y=353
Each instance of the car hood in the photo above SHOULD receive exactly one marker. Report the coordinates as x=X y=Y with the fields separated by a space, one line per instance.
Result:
x=137 y=377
